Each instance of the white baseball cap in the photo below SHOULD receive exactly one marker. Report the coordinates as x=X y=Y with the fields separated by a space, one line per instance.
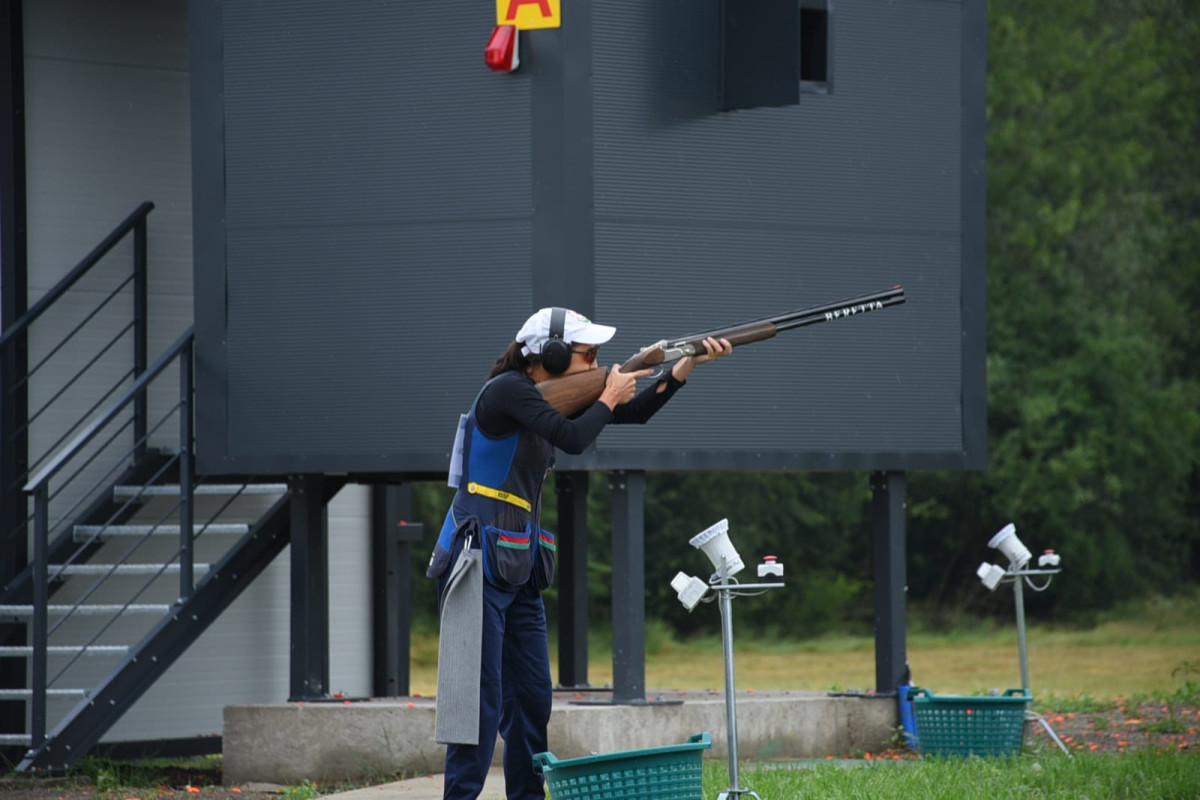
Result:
x=577 y=329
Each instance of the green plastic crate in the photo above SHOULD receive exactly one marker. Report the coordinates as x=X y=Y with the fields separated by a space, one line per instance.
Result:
x=657 y=773
x=960 y=725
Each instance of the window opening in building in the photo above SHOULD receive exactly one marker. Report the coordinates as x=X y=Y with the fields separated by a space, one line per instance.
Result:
x=814 y=46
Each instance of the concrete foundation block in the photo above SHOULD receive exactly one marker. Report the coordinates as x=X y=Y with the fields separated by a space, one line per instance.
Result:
x=322 y=742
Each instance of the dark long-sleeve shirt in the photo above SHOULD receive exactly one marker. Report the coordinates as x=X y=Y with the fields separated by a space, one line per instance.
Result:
x=512 y=402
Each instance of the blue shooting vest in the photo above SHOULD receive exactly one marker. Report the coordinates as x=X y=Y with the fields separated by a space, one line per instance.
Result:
x=498 y=506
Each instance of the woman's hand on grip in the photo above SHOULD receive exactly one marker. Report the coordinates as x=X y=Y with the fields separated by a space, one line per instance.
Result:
x=620 y=387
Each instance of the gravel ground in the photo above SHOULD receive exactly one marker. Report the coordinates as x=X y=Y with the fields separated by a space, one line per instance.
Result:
x=1173 y=727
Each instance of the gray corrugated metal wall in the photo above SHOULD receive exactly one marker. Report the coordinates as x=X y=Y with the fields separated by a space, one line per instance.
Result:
x=369 y=159
x=108 y=126
x=754 y=212
x=381 y=226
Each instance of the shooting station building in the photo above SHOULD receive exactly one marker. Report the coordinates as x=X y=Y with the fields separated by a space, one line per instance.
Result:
x=257 y=257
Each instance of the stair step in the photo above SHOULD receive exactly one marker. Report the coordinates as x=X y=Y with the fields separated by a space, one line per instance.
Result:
x=11 y=693
x=121 y=569
x=98 y=608
x=16 y=738
x=83 y=532
x=67 y=649
x=168 y=490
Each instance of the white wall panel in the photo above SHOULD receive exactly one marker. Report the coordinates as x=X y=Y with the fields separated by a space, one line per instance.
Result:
x=107 y=127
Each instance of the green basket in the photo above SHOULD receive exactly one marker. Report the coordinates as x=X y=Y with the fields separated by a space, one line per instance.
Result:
x=656 y=773
x=959 y=725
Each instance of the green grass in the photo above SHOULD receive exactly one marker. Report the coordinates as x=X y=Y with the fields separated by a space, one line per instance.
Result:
x=305 y=790
x=109 y=775
x=1149 y=775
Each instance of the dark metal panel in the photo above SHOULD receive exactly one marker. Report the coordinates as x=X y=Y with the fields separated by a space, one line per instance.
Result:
x=974 y=233
x=373 y=215
x=760 y=53
x=14 y=400
x=563 y=246
x=881 y=153
x=208 y=241
x=845 y=386
x=373 y=114
x=306 y=324
x=378 y=226
x=756 y=212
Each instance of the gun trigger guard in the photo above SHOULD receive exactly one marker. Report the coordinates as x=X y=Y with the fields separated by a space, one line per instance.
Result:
x=658 y=374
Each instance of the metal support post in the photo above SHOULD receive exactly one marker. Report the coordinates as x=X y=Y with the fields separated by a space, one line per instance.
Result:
x=141 y=324
x=1022 y=653
x=41 y=629
x=725 y=591
x=726 y=603
x=187 y=465
x=888 y=540
x=891 y=589
x=572 y=489
x=628 y=586
x=309 y=676
x=392 y=538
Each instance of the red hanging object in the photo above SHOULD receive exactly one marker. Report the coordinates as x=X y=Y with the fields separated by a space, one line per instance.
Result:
x=501 y=52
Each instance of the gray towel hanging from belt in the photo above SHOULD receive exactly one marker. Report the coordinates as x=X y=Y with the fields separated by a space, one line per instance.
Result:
x=459 y=653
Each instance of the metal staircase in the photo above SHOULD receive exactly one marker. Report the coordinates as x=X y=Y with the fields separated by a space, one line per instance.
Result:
x=132 y=558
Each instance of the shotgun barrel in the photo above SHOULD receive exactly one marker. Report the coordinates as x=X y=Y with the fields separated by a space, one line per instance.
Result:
x=574 y=392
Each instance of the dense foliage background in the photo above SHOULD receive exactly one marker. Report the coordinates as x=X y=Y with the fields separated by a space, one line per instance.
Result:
x=1093 y=358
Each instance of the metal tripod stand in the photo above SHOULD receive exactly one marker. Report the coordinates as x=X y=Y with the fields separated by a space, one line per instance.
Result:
x=726 y=589
x=1018 y=577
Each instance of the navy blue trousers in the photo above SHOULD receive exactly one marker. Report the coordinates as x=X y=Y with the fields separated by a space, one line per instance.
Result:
x=514 y=698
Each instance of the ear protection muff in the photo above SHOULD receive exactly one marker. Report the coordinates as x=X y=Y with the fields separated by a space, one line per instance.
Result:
x=556 y=353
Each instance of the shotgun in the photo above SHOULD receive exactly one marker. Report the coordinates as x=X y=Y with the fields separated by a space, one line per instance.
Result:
x=572 y=393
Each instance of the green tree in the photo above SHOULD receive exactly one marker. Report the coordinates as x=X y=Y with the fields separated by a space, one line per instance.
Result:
x=1092 y=265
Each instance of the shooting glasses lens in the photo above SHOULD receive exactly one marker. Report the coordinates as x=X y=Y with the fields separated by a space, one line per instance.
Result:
x=589 y=355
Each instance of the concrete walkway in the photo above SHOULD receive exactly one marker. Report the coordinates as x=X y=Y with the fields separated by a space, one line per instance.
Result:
x=428 y=787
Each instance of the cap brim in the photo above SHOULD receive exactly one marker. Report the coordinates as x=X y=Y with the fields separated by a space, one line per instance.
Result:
x=593 y=334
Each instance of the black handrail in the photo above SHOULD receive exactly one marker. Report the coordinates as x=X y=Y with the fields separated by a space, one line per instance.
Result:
x=137 y=389
x=80 y=269
x=18 y=463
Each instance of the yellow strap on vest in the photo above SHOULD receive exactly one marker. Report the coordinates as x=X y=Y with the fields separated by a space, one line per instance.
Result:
x=496 y=494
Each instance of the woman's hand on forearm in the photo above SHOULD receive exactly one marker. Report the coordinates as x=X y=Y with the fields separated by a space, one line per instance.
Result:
x=714 y=349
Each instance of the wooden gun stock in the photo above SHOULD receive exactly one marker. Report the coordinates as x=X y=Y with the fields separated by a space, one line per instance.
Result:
x=570 y=394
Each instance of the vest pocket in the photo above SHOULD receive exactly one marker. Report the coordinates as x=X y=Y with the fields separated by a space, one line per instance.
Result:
x=507 y=557
x=547 y=561
x=439 y=560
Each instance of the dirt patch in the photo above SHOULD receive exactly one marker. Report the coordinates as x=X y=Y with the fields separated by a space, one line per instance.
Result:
x=1128 y=726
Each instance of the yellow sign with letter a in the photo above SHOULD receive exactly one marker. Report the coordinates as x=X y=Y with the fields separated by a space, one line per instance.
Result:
x=529 y=14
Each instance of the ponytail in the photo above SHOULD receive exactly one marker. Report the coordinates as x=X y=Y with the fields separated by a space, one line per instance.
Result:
x=512 y=359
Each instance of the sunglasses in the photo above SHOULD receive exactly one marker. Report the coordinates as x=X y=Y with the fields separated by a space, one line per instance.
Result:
x=589 y=355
